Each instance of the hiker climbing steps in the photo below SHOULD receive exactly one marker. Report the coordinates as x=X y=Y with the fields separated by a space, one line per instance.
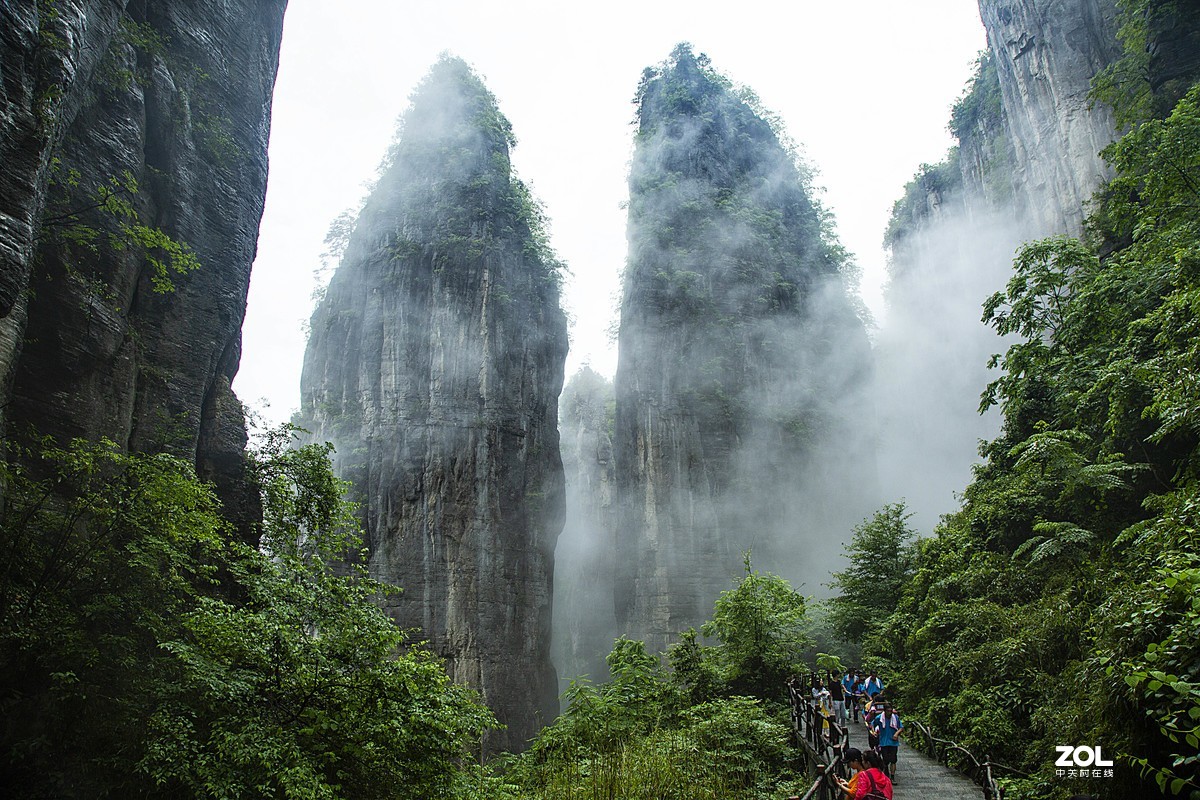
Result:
x=834 y=751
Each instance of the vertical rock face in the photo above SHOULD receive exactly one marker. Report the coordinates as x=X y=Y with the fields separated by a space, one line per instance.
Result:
x=1027 y=162
x=137 y=139
x=740 y=413
x=1046 y=53
x=1173 y=49
x=1029 y=136
x=434 y=366
x=47 y=56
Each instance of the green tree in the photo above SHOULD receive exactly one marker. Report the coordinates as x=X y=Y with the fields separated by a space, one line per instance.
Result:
x=299 y=685
x=760 y=625
x=82 y=222
x=881 y=563
x=1072 y=560
x=146 y=651
x=647 y=734
x=102 y=553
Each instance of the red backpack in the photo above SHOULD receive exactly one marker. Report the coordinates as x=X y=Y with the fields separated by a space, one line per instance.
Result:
x=881 y=789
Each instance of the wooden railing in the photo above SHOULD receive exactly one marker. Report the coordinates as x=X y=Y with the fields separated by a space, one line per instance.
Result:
x=823 y=743
x=958 y=758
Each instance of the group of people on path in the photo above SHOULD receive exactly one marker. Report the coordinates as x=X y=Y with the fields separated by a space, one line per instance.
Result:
x=855 y=698
x=869 y=781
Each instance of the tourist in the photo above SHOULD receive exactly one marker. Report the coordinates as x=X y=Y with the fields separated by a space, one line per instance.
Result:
x=837 y=693
x=854 y=760
x=887 y=728
x=856 y=697
x=873 y=783
x=869 y=714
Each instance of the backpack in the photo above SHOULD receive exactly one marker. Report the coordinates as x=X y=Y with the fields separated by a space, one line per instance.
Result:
x=876 y=791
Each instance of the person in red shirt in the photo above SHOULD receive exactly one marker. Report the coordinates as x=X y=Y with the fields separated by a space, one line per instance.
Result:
x=873 y=783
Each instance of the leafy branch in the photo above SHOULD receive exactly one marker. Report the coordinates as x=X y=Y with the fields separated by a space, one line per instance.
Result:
x=113 y=202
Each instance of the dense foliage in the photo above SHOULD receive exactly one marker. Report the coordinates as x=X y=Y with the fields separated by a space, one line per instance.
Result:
x=713 y=726
x=145 y=651
x=1159 y=64
x=1058 y=606
x=981 y=103
x=940 y=181
x=727 y=222
x=881 y=560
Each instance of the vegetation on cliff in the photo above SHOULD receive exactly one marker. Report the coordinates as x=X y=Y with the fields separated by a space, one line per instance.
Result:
x=742 y=362
x=1058 y=606
x=976 y=122
x=434 y=365
x=724 y=223
x=146 y=651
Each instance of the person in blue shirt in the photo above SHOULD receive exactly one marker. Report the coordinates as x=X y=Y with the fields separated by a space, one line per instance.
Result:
x=873 y=686
x=887 y=726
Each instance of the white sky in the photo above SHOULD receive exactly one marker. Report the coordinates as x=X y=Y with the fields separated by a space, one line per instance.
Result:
x=864 y=86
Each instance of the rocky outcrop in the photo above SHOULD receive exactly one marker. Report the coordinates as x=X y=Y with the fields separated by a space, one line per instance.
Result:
x=47 y=56
x=741 y=422
x=1029 y=136
x=134 y=140
x=1027 y=160
x=1046 y=53
x=434 y=366
x=1172 y=49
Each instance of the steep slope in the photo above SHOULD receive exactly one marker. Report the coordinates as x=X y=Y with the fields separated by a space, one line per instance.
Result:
x=434 y=366
x=134 y=142
x=740 y=419
x=1074 y=550
x=1027 y=160
x=1045 y=53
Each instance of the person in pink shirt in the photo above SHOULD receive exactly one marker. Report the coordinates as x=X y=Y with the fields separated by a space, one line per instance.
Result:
x=873 y=783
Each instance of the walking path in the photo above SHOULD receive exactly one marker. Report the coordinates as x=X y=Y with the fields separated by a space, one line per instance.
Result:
x=919 y=777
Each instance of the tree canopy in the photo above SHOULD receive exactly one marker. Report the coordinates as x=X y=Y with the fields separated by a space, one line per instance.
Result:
x=145 y=650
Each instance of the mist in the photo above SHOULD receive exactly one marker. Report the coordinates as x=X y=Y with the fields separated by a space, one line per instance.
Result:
x=743 y=419
x=750 y=411
x=585 y=623
x=932 y=351
x=434 y=366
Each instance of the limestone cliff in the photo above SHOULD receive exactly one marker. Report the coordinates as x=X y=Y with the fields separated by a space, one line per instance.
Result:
x=1046 y=53
x=1029 y=137
x=740 y=416
x=1028 y=158
x=134 y=140
x=434 y=366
